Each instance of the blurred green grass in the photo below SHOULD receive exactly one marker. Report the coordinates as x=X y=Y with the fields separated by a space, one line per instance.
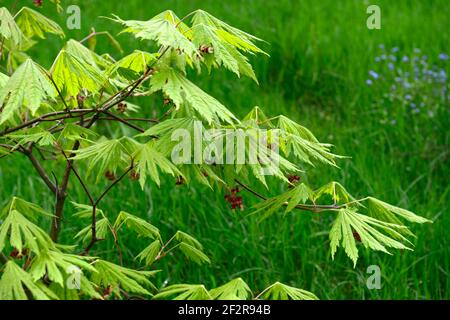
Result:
x=320 y=53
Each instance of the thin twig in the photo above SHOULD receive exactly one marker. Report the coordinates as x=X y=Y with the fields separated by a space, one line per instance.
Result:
x=124 y=121
x=63 y=114
x=104 y=193
x=306 y=207
x=83 y=185
x=41 y=171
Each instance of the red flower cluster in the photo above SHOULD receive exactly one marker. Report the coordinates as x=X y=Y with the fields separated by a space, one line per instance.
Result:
x=293 y=179
x=234 y=199
x=134 y=175
x=121 y=107
x=37 y=3
x=110 y=175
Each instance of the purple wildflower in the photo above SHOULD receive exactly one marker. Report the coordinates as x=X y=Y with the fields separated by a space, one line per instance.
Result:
x=374 y=74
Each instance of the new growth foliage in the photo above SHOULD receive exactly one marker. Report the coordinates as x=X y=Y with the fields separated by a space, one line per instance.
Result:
x=62 y=110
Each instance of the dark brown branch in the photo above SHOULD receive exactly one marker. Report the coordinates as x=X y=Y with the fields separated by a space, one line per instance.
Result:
x=41 y=171
x=127 y=123
x=131 y=119
x=59 y=92
x=306 y=207
x=113 y=184
x=61 y=196
x=94 y=238
x=64 y=114
x=83 y=185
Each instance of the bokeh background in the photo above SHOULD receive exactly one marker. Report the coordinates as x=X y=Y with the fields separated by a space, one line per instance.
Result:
x=380 y=96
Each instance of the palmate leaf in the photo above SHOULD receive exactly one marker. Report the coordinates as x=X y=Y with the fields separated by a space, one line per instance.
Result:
x=72 y=75
x=8 y=27
x=32 y=23
x=280 y=291
x=86 y=288
x=73 y=132
x=226 y=42
x=256 y=117
x=299 y=194
x=28 y=86
x=336 y=191
x=23 y=234
x=138 y=225
x=150 y=253
x=56 y=264
x=369 y=230
x=104 y=155
x=184 y=292
x=191 y=248
x=299 y=141
x=148 y=160
x=14 y=281
x=166 y=29
x=138 y=62
x=184 y=93
x=37 y=135
x=236 y=289
x=85 y=211
x=20 y=231
x=89 y=57
x=30 y=210
x=102 y=226
x=389 y=212
x=110 y=274
x=194 y=254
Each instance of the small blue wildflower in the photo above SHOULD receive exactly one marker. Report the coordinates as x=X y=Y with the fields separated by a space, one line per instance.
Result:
x=398 y=79
x=369 y=82
x=443 y=56
x=374 y=74
x=392 y=57
x=416 y=50
x=424 y=57
x=406 y=85
x=391 y=66
x=413 y=105
x=442 y=74
x=381 y=46
x=408 y=97
x=383 y=57
x=377 y=59
x=416 y=110
x=393 y=87
x=393 y=122
x=430 y=114
x=395 y=49
x=405 y=59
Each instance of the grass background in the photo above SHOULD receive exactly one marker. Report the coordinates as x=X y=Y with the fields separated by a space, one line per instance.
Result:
x=320 y=54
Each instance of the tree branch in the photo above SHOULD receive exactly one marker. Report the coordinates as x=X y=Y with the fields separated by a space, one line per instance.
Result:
x=41 y=171
x=61 y=197
x=64 y=114
x=306 y=207
x=129 y=124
